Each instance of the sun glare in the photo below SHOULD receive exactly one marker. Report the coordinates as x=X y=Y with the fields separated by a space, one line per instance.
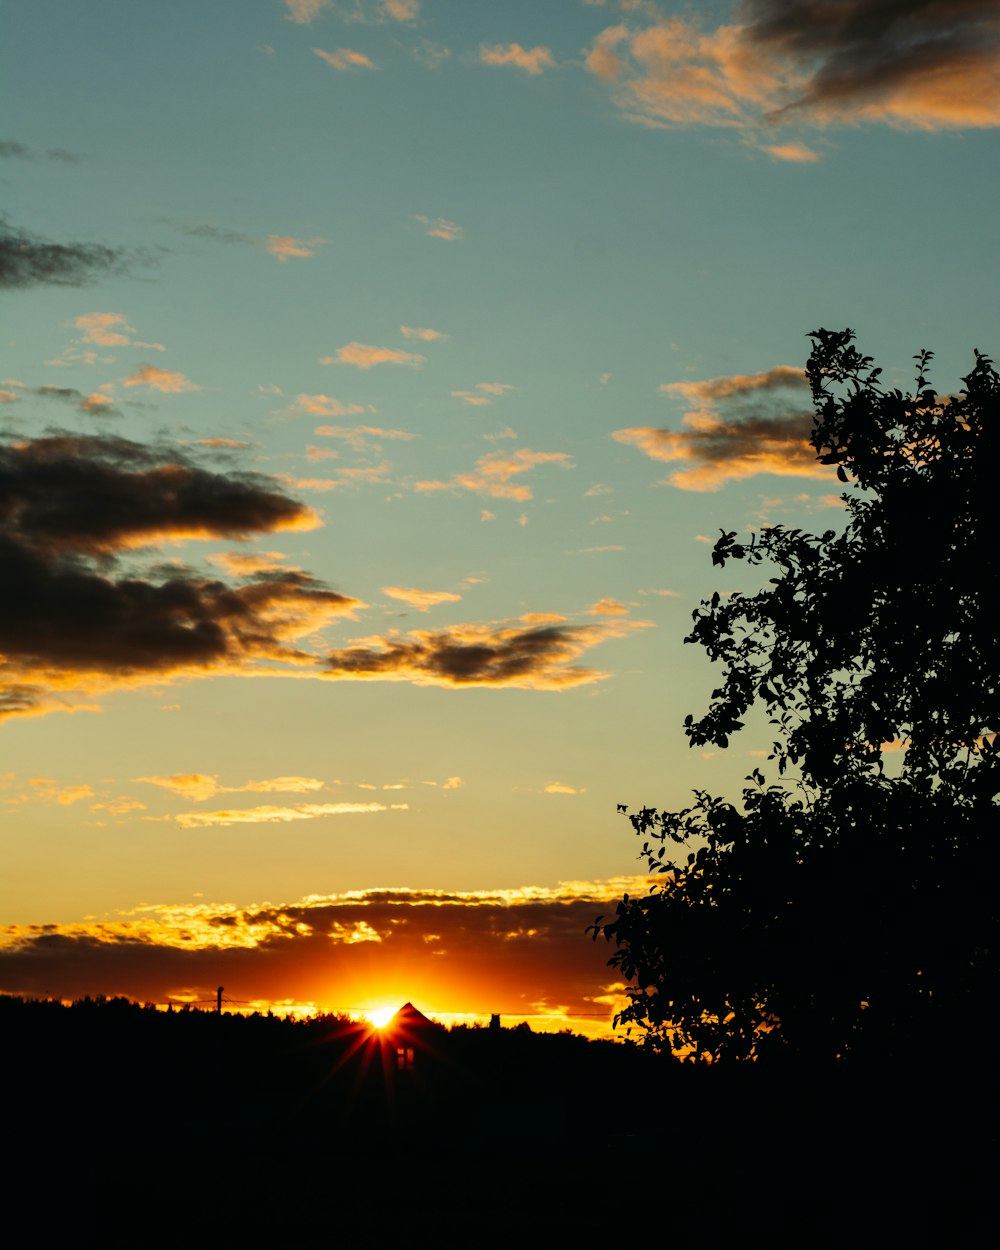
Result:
x=381 y=1016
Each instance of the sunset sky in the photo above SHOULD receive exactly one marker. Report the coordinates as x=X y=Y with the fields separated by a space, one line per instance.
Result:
x=377 y=376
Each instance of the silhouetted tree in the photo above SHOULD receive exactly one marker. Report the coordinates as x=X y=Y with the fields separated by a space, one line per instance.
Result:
x=845 y=911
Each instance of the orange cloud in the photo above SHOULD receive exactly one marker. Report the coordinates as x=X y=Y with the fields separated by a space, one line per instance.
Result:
x=361 y=436
x=739 y=384
x=423 y=333
x=325 y=406
x=796 y=152
x=422 y=600
x=923 y=66
x=531 y=60
x=197 y=786
x=162 y=380
x=484 y=393
x=766 y=432
x=557 y=787
x=364 y=356
x=607 y=607
x=284 y=245
x=110 y=330
x=494 y=471
x=249 y=563
x=96 y=402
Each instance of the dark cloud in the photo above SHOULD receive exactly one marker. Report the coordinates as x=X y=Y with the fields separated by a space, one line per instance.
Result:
x=927 y=64
x=476 y=655
x=72 y=492
x=859 y=52
x=508 y=951
x=740 y=426
x=10 y=149
x=27 y=260
x=72 y=508
x=95 y=403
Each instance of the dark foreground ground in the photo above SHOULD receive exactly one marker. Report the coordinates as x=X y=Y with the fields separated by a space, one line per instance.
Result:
x=126 y=1126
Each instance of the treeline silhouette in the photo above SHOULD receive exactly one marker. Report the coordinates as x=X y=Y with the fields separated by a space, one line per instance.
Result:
x=143 y=1100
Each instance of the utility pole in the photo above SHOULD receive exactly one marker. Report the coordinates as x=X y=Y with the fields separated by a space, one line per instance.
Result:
x=218 y=1001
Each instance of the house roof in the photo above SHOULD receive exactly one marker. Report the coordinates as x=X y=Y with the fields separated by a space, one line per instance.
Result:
x=408 y=1019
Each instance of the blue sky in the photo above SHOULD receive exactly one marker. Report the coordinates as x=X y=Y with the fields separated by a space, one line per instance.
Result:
x=509 y=300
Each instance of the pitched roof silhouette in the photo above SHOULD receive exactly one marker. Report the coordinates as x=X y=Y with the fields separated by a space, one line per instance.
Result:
x=409 y=1019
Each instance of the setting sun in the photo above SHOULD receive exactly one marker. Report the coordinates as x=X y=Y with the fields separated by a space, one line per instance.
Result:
x=381 y=1016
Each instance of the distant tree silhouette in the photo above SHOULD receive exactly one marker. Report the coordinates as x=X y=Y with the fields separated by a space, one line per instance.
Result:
x=846 y=910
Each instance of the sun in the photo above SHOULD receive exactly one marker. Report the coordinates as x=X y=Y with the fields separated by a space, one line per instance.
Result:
x=381 y=1016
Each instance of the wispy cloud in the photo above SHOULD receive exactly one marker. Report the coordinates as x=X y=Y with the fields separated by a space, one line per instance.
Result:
x=110 y=330
x=96 y=403
x=484 y=393
x=494 y=473
x=11 y=149
x=201 y=786
x=531 y=60
x=362 y=437
x=440 y=227
x=429 y=54
x=270 y=814
x=284 y=246
x=325 y=406
x=797 y=153
x=557 y=787
x=761 y=430
x=365 y=356
x=422 y=600
x=166 y=381
x=281 y=246
x=65 y=795
x=346 y=59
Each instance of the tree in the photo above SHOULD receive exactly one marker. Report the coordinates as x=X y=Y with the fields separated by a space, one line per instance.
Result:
x=845 y=910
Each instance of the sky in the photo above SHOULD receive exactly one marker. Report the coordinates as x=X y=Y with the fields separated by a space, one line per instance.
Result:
x=377 y=376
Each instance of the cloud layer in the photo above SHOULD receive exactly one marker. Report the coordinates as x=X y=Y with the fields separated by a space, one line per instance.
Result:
x=75 y=510
x=760 y=429
x=521 y=952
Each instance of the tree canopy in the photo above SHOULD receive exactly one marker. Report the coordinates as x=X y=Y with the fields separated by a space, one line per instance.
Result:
x=843 y=911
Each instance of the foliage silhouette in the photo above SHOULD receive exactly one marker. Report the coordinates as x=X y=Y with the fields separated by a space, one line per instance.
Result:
x=844 y=912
